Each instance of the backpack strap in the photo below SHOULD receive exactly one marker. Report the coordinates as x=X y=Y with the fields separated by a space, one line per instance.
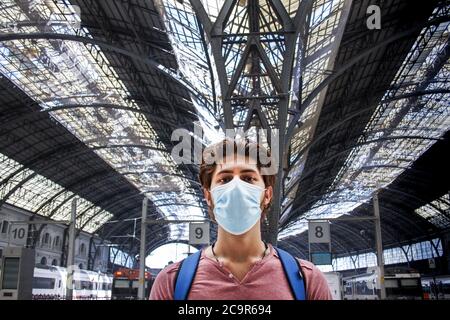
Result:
x=185 y=276
x=293 y=273
x=188 y=268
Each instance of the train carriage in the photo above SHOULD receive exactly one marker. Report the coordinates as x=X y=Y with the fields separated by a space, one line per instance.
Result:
x=126 y=283
x=50 y=283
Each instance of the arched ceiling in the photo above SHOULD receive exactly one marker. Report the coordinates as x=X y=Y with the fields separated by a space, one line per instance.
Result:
x=92 y=90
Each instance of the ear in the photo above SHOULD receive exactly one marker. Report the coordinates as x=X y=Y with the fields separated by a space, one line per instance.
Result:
x=210 y=203
x=268 y=194
x=208 y=197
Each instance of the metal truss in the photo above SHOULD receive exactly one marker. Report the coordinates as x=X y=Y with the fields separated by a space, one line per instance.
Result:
x=264 y=64
x=253 y=44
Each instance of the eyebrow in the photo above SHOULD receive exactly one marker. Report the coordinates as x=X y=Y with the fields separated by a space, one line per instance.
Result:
x=242 y=171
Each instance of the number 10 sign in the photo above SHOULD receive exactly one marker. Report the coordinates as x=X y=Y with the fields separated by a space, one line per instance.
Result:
x=319 y=232
x=199 y=233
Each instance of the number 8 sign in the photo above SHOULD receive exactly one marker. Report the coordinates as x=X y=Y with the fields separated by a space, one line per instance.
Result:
x=199 y=233
x=319 y=232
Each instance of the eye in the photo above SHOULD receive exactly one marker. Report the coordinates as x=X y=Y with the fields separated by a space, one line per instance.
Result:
x=224 y=180
x=249 y=179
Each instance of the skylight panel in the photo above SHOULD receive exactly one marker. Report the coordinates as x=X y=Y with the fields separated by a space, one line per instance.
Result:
x=58 y=72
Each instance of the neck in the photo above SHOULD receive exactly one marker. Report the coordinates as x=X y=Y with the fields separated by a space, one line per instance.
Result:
x=240 y=248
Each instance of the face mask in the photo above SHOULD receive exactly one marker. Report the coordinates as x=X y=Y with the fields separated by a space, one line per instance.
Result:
x=237 y=205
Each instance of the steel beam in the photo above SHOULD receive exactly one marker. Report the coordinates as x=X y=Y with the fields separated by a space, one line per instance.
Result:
x=291 y=28
x=142 y=282
x=379 y=245
x=71 y=252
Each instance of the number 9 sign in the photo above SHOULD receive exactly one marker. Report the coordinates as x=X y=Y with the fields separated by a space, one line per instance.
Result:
x=199 y=233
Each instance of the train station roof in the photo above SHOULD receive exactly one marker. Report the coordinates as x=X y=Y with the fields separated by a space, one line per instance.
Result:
x=91 y=92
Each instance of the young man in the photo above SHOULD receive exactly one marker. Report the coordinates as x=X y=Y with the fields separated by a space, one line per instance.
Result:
x=239 y=265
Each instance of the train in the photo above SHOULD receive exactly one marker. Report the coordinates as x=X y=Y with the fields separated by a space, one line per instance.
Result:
x=399 y=285
x=50 y=283
x=363 y=286
x=436 y=287
x=334 y=280
x=126 y=283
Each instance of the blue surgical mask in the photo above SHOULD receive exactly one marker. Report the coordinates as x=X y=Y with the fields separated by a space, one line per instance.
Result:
x=237 y=205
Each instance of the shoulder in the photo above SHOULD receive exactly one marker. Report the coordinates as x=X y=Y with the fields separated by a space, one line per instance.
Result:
x=316 y=283
x=305 y=264
x=163 y=286
x=170 y=271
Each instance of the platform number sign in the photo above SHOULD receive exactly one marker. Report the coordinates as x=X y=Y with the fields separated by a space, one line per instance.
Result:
x=319 y=232
x=18 y=234
x=432 y=263
x=199 y=233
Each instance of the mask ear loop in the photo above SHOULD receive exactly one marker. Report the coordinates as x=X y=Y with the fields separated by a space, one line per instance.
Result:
x=266 y=219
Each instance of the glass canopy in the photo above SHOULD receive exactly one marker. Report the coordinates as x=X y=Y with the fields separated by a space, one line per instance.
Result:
x=74 y=81
x=411 y=116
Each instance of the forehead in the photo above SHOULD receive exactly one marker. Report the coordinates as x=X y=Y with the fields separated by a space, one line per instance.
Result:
x=236 y=163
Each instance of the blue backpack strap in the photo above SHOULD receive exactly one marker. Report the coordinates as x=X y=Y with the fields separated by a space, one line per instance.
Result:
x=185 y=276
x=293 y=273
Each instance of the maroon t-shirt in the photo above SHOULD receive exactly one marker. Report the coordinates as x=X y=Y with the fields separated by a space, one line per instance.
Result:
x=265 y=281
